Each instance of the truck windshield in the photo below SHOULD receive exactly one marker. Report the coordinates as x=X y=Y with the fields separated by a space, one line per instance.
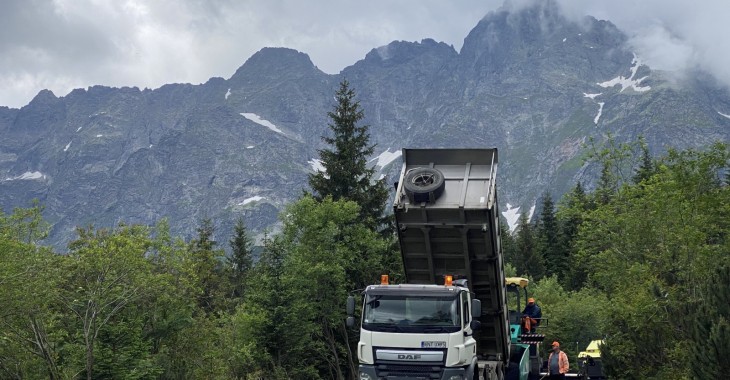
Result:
x=411 y=314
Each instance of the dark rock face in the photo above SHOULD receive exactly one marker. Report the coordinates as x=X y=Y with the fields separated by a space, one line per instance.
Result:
x=528 y=82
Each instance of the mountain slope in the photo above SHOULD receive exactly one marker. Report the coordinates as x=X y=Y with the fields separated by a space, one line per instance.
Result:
x=529 y=82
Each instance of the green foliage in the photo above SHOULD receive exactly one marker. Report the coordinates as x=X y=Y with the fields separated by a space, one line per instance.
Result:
x=208 y=268
x=647 y=271
x=528 y=260
x=647 y=166
x=241 y=258
x=710 y=333
x=347 y=175
x=648 y=250
x=549 y=246
x=575 y=318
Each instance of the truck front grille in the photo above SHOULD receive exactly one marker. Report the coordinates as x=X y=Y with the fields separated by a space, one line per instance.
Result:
x=411 y=371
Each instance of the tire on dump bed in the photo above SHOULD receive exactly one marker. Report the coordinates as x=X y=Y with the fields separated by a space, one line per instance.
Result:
x=424 y=184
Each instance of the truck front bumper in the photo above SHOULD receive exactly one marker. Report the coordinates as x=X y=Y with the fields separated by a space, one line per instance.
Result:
x=406 y=372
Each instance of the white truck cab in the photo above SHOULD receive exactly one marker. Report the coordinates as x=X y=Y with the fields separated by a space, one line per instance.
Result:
x=427 y=327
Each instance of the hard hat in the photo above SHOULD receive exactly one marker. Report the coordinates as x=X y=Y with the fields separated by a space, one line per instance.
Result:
x=556 y=344
x=530 y=300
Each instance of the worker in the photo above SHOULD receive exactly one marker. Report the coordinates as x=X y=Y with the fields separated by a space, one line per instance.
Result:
x=531 y=315
x=557 y=363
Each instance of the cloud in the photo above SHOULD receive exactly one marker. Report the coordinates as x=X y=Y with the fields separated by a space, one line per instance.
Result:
x=66 y=44
x=668 y=34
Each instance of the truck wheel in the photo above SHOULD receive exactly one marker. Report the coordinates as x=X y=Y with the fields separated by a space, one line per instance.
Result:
x=424 y=184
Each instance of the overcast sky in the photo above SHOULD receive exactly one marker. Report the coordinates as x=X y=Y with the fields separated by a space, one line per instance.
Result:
x=65 y=44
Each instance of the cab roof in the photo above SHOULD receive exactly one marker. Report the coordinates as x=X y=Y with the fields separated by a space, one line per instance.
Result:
x=517 y=281
x=414 y=289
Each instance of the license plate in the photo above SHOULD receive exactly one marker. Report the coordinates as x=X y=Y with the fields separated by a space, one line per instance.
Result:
x=433 y=344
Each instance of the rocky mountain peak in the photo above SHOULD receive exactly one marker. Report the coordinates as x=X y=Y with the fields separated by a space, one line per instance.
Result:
x=43 y=97
x=399 y=52
x=273 y=63
x=540 y=36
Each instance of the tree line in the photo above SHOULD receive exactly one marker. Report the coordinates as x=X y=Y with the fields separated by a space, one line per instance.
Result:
x=640 y=260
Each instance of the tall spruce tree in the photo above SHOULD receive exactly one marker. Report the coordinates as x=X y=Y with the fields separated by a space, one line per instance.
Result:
x=548 y=234
x=208 y=271
x=347 y=175
x=528 y=259
x=710 y=334
x=241 y=257
x=646 y=167
x=571 y=212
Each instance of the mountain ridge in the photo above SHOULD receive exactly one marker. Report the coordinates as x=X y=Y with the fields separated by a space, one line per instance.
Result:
x=531 y=83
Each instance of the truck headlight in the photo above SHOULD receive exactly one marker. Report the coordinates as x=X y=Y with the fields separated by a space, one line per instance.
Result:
x=365 y=376
x=456 y=377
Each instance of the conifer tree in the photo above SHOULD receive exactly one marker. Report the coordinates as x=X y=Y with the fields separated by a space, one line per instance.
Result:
x=711 y=331
x=347 y=175
x=570 y=215
x=606 y=188
x=647 y=167
x=528 y=260
x=548 y=238
x=207 y=266
x=240 y=260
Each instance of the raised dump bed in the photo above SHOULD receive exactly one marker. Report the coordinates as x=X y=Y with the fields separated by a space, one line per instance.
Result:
x=447 y=220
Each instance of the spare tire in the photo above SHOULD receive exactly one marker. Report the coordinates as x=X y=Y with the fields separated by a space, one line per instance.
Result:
x=424 y=184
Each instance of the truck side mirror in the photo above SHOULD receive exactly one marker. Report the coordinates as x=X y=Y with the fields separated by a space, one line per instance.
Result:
x=476 y=308
x=475 y=325
x=350 y=322
x=350 y=305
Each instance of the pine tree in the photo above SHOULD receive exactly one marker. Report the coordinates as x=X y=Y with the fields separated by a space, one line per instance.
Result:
x=347 y=175
x=207 y=266
x=647 y=167
x=606 y=188
x=570 y=215
x=548 y=237
x=508 y=242
x=240 y=260
x=528 y=259
x=711 y=328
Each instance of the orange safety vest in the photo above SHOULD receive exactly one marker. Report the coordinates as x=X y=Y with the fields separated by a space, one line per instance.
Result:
x=562 y=362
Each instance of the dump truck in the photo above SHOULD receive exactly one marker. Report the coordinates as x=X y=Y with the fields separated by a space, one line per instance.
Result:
x=449 y=320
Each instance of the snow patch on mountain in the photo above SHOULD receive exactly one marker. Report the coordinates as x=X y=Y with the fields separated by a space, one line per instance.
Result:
x=28 y=176
x=600 y=112
x=260 y=121
x=99 y=135
x=591 y=96
x=78 y=129
x=228 y=93
x=629 y=82
x=385 y=158
x=67 y=146
x=316 y=165
x=255 y=198
x=512 y=215
x=722 y=114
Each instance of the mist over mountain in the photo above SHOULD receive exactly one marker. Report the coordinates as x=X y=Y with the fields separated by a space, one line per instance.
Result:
x=530 y=82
